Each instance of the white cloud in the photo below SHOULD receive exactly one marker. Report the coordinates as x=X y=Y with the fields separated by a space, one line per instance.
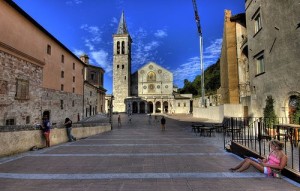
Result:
x=114 y=21
x=212 y=52
x=100 y=58
x=144 y=48
x=190 y=69
x=78 y=52
x=72 y=2
x=93 y=37
x=187 y=70
x=160 y=34
x=88 y=44
x=150 y=46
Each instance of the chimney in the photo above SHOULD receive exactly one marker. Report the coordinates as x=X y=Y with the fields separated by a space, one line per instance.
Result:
x=84 y=58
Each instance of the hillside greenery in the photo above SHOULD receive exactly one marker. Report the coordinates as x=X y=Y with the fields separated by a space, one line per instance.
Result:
x=211 y=82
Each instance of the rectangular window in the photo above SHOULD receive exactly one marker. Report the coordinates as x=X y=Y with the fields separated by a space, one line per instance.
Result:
x=62 y=58
x=22 y=89
x=184 y=104
x=73 y=78
x=27 y=119
x=73 y=103
x=260 y=65
x=62 y=74
x=73 y=90
x=61 y=104
x=10 y=122
x=257 y=23
x=62 y=87
x=48 y=49
x=178 y=104
x=73 y=66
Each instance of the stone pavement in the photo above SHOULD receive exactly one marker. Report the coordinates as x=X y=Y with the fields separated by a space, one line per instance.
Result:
x=135 y=156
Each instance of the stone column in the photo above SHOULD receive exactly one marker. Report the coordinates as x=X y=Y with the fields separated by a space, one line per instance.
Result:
x=146 y=107
x=138 y=104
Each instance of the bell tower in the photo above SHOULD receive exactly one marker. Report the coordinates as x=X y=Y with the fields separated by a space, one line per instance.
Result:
x=121 y=66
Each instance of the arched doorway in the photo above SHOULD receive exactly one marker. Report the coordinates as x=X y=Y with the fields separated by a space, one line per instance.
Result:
x=142 y=107
x=158 y=107
x=166 y=107
x=294 y=109
x=134 y=107
x=150 y=107
x=46 y=113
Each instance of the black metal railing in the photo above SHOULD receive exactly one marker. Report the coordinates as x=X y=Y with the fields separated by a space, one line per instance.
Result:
x=255 y=134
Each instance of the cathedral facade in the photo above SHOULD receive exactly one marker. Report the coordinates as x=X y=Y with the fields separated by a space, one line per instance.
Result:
x=148 y=90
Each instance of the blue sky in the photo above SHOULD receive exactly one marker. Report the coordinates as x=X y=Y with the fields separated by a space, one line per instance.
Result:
x=163 y=31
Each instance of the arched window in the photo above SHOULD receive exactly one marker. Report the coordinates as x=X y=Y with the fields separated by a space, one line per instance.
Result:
x=151 y=77
x=123 y=47
x=118 y=47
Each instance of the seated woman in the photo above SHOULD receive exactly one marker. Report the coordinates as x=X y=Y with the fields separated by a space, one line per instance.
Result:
x=276 y=160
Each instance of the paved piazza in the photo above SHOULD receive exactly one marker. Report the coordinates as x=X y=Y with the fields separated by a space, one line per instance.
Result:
x=135 y=156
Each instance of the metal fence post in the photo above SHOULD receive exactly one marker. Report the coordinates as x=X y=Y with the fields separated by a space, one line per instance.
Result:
x=259 y=135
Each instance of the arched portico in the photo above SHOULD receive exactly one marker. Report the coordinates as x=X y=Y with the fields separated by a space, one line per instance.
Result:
x=142 y=107
x=134 y=107
x=165 y=107
x=150 y=107
x=158 y=108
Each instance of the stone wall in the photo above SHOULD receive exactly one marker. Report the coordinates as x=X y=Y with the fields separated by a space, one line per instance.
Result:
x=60 y=105
x=17 y=139
x=90 y=100
x=278 y=42
x=181 y=106
x=228 y=63
x=217 y=113
x=23 y=111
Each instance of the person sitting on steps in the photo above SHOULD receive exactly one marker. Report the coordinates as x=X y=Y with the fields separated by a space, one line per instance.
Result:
x=276 y=160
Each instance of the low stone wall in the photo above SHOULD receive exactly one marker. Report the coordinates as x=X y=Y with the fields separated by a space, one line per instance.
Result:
x=217 y=113
x=17 y=139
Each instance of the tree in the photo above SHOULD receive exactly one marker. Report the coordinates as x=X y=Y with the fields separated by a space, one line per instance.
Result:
x=269 y=113
x=211 y=81
x=188 y=88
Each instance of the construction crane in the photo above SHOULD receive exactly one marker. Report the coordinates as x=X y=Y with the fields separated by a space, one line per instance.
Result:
x=197 y=18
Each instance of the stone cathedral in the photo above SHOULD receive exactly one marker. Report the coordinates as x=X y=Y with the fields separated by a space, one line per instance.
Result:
x=150 y=89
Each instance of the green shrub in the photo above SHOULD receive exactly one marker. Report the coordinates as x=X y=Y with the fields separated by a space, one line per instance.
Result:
x=269 y=113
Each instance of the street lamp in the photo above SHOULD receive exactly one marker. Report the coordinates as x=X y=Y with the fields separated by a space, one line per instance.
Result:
x=110 y=110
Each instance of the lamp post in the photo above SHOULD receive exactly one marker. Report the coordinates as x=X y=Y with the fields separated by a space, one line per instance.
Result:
x=110 y=110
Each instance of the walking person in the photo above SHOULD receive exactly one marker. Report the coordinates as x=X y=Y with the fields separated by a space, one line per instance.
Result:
x=68 y=125
x=46 y=130
x=155 y=119
x=150 y=119
x=119 y=121
x=129 y=118
x=163 y=123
